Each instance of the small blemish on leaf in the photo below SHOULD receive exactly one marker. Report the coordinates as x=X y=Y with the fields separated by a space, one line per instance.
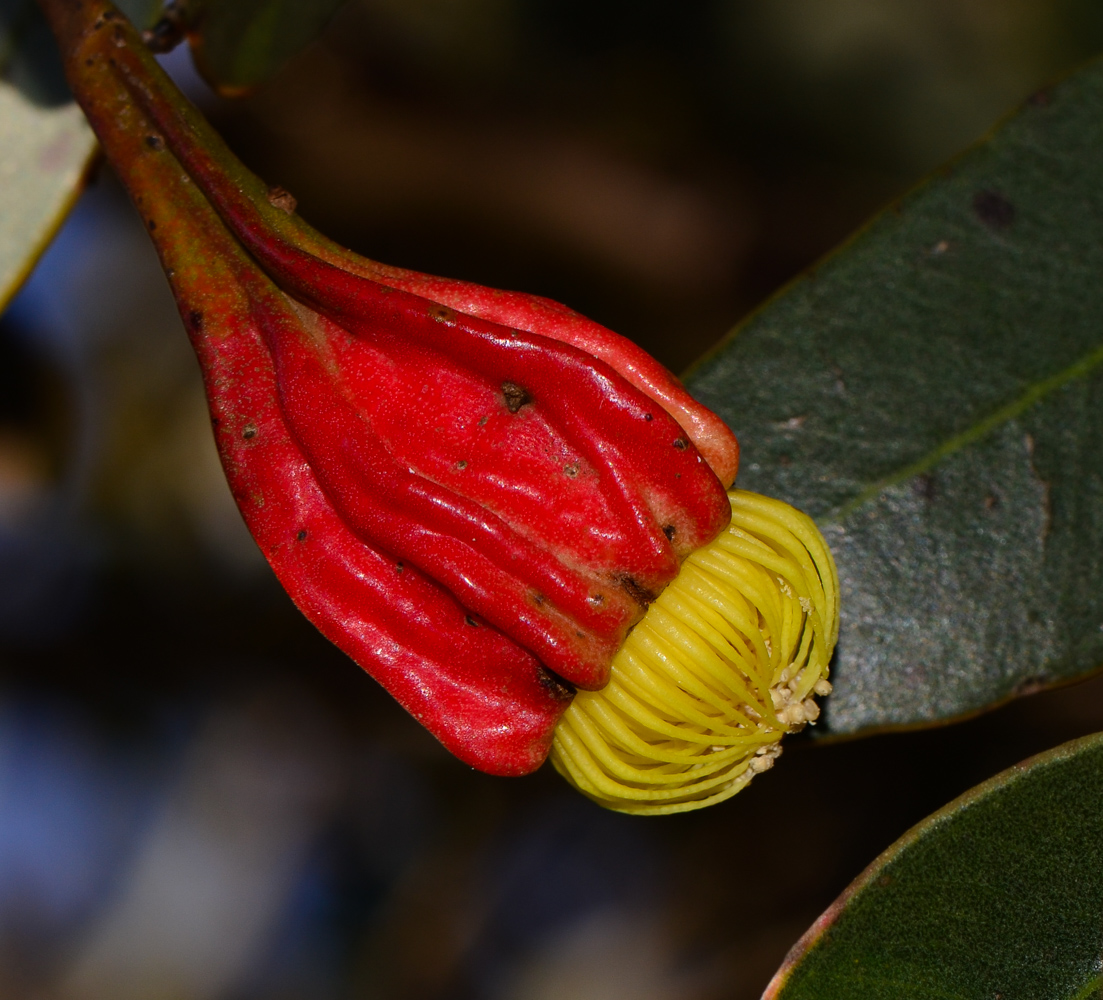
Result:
x=924 y=486
x=570 y=470
x=301 y=536
x=1028 y=685
x=249 y=431
x=461 y=465
x=681 y=444
x=993 y=209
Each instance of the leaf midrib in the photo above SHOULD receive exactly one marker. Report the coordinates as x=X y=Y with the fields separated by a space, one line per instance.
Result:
x=982 y=428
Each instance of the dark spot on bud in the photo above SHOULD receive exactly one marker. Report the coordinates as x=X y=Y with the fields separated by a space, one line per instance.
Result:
x=195 y=317
x=993 y=209
x=647 y=416
x=301 y=536
x=555 y=685
x=669 y=530
x=538 y=599
x=482 y=423
x=461 y=465
x=571 y=470
x=597 y=599
x=443 y=313
x=470 y=621
x=155 y=142
x=641 y=595
x=166 y=34
x=399 y=567
x=152 y=225
x=282 y=199
x=515 y=395
x=681 y=444
x=249 y=431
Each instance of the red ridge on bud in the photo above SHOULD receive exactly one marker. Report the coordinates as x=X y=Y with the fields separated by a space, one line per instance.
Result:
x=473 y=493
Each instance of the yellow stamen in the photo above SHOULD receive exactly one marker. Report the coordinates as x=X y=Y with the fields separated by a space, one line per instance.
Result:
x=724 y=663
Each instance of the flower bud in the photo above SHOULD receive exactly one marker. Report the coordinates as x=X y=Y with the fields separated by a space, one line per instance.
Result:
x=477 y=495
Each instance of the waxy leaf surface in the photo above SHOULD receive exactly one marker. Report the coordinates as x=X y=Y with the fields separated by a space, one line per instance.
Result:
x=932 y=394
x=999 y=894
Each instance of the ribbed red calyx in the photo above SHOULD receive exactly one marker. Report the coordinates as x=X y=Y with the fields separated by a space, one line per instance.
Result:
x=473 y=493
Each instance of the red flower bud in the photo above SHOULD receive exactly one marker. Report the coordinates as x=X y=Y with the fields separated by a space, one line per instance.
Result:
x=475 y=494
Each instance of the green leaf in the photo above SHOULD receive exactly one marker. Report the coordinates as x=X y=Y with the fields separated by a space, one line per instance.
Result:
x=999 y=894
x=45 y=143
x=933 y=395
x=240 y=43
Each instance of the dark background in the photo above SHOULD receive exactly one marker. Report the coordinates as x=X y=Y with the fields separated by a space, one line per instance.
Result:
x=199 y=797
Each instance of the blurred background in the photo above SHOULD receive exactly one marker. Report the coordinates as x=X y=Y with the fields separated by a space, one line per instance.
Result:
x=199 y=797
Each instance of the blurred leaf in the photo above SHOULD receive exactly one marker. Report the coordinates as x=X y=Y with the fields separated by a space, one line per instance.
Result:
x=44 y=155
x=933 y=394
x=240 y=43
x=45 y=144
x=999 y=894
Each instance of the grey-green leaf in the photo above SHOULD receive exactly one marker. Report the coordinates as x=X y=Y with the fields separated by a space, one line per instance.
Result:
x=240 y=43
x=45 y=150
x=999 y=894
x=932 y=394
